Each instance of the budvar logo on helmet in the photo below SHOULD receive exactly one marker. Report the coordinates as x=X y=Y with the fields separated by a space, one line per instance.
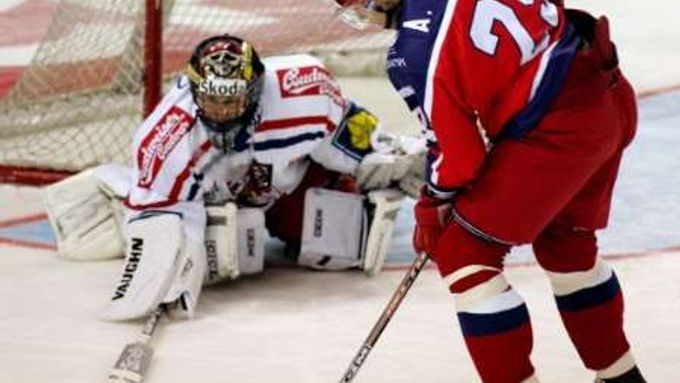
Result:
x=306 y=81
x=223 y=87
x=160 y=141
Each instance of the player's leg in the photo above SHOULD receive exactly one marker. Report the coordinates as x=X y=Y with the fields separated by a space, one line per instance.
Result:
x=588 y=298
x=520 y=189
x=586 y=289
x=493 y=317
x=524 y=184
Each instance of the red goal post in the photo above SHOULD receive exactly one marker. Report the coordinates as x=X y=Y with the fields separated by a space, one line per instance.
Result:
x=102 y=64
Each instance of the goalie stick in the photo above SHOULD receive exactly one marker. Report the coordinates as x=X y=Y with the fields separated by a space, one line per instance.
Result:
x=134 y=360
x=385 y=317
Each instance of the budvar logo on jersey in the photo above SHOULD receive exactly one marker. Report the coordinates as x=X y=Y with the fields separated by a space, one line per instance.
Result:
x=223 y=87
x=159 y=143
x=306 y=81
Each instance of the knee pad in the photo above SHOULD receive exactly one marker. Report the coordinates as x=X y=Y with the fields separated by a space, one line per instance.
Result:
x=471 y=266
x=562 y=248
x=458 y=248
x=234 y=242
x=333 y=229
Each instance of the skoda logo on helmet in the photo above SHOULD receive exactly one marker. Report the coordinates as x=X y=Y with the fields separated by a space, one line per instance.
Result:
x=223 y=87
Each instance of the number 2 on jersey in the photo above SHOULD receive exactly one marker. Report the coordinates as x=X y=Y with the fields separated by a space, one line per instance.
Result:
x=487 y=12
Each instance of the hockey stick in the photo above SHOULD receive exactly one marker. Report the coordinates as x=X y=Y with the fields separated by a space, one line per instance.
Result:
x=385 y=317
x=135 y=358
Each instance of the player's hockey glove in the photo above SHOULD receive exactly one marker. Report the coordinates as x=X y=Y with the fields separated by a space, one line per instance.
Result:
x=432 y=216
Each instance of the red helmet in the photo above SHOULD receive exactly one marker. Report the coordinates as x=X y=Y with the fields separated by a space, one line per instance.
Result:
x=360 y=13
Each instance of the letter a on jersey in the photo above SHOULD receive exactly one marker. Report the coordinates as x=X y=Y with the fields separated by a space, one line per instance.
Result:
x=422 y=25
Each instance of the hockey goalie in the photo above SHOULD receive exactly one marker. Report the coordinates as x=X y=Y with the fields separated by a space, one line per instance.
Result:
x=238 y=149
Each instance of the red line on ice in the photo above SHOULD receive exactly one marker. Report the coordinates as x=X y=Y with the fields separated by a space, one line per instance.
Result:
x=23 y=220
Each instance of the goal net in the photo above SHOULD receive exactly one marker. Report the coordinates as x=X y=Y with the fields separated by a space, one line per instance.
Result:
x=78 y=102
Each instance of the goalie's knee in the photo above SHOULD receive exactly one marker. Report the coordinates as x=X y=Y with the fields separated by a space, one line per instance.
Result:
x=234 y=242
x=85 y=214
x=336 y=231
x=333 y=229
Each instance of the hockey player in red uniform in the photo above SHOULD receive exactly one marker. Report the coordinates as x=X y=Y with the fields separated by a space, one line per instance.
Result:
x=238 y=145
x=526 y=114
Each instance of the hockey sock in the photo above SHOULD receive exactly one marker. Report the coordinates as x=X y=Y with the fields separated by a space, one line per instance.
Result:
x=498 y=336
x=493 y=318
x=588 y=297
x=593 y=317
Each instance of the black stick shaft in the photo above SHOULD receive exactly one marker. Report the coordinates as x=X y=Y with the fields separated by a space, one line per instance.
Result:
x=385 y=317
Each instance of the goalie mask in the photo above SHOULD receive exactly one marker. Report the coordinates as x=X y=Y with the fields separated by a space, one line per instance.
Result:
x=226 y=79
x=360 y=13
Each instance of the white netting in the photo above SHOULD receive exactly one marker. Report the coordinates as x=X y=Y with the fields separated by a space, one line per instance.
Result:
x=79 y=100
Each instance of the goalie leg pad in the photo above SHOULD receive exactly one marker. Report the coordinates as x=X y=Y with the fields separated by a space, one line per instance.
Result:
x=155 y=243
x=386 y=204
x=186 y=285
x=251 y=237
x=234 y=242
x=333 y=229
x=221 y=235
x=86 y=215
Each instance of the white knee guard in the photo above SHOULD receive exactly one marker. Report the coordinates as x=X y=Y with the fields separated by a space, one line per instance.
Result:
x=333 y=231
x=234 y=242
x=85 y=213
x=385 y=204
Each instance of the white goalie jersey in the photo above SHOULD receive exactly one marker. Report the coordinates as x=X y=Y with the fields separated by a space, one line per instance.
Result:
x=301 y=106
x=181 y=190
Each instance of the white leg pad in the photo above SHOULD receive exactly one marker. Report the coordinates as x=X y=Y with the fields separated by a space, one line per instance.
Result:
x=333 y=230
x=86 y=215
x=221 y=243
x=386 y=204
x=186 y=285
x=234 y=242
x=155 y=244
x=251 y=237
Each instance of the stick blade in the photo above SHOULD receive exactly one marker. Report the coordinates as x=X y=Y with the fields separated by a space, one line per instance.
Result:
x=132 y=363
